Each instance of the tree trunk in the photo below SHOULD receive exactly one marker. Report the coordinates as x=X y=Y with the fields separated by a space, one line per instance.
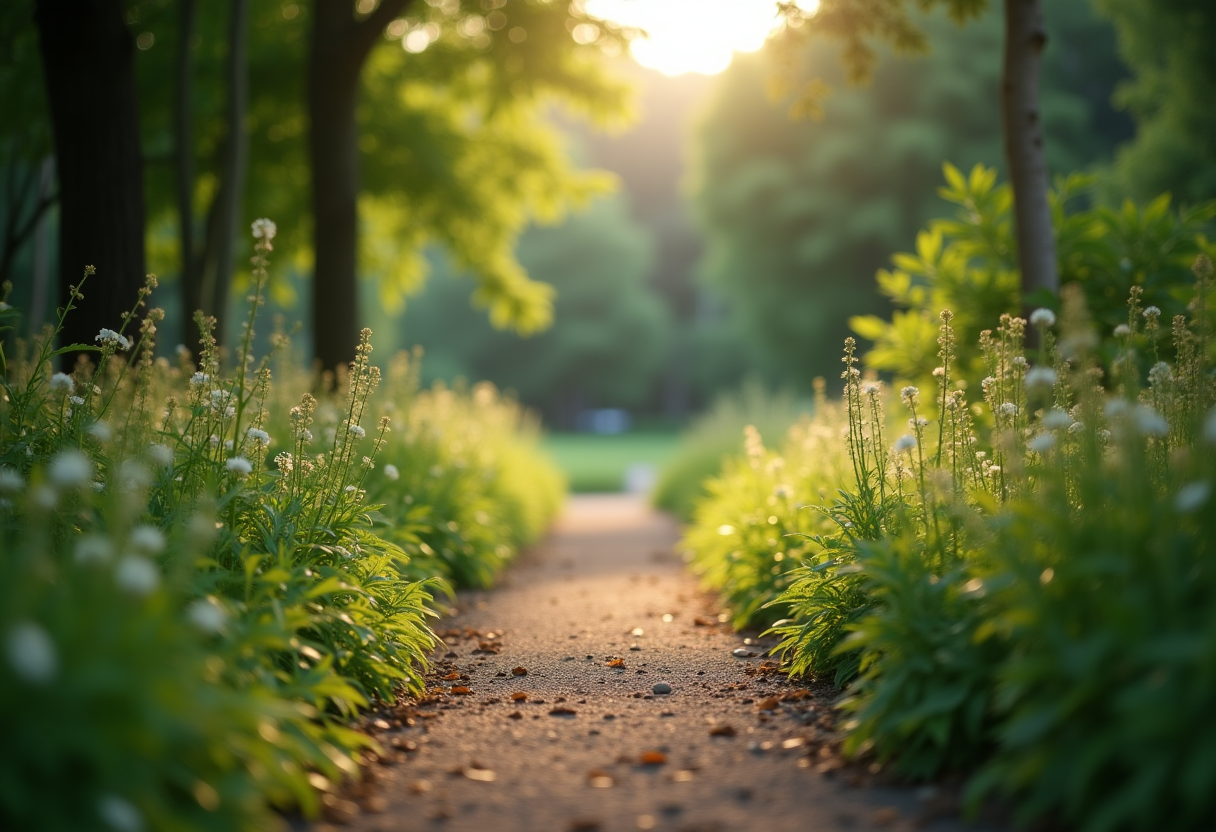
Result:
x=231 y=195
x=183 y=172
x=88 y=61
x=340 y=46
x=1025 y=37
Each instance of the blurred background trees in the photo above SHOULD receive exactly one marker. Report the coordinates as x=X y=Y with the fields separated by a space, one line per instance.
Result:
x=741 y=242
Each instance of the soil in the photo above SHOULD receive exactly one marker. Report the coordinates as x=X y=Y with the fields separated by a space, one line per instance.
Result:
x=585 y=626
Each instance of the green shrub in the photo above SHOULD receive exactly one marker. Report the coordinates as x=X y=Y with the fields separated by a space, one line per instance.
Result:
x=713 y=437
x=187 y=623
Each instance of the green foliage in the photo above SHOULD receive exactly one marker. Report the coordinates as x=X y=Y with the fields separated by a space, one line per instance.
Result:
x=1168 y=48
x=188 y=626
x=713 y=436
x=796 y=213
x=598 y=463
x=968 y=263
x=610 y=333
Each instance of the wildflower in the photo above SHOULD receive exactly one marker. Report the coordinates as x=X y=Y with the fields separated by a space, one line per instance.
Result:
x=239 y=466
x=1151 y=314
x=264 y=229
x=258 y=435
x=357 y=431
x=1115 y=408
x=71 y=469
x=109 y=336
x=199 y=379
x=909 y=394
x=1040 y=378
x=1160 y=374
x=62 y=382
x=871 y=388
x=161 y=454
x=939 y=372
x=350 y=489
x=1056 y=419
x=99 y=486
x=207 y=615
x=1076 y=427
x=1043 y=317
x=1122 y=330
x=137 y=575
x=1192 y=495
x=93 y=548
x=1020 y=361
x=1150 y=422
x=905 y=443
x=76 y=400
x=1008 y=408
x=229 y=412
x=227 y=444
x=918 y=422
x=305 y=435
x=215 y=441
x=32 y=653
x=100 y=431
x=120 y=814
x=284 y=462
x=1042 y=443
x=147 y=539
x=391 y=472
x=10 y=480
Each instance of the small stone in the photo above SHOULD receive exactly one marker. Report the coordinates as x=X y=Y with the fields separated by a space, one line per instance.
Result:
x=661 y=687
x=742 y=653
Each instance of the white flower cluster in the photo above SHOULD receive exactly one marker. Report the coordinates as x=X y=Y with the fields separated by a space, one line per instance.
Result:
x=199 y=379
x=1040 y=378
x=905 y=443
x=239 y=466
x=32 y=653
x=391 y=473
x=1043 y=317
x=264 y=229
x=62 y=383
x=109 y=336
x=258 y=435
x=357 y=431
x=909 y=394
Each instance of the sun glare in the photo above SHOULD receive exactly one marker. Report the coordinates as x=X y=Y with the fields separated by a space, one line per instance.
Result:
x=693 y=35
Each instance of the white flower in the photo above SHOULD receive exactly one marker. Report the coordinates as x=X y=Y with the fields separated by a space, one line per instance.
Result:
x=987 y=382
x=137 y=575
x=227 y=444
x=1056 y=419
x=264 y=229
x=1043 y=317
x=1192 y=495
x=1152 y=313
x=45 y=497
x=109 y=336
x=905 y=443
x=357 y=431
x=10 y=480
x=1042 y=443
x=939 y=372
x=100 y=431
x=32 y=653
x=1040 y=378
x=76 y=400
x=161 y=454
x=1076 y=427
x=1020 y=361
x=305 y=435
x=62 y=383
x=1160 y=374
x=1115 y=408
x=147 y=540
x=918 y=422
x=121 y=815
x=239 y=465
x=94 y=548
x=199 y=379
x=391 y=472
x=71 y=469
x=229 y=412
x=215 y=441
x=258 y=435
x=1008 y=408
x=1150 y=422
x=909 y=394
x=206 y=615
x=1122 y=330
x=871 y=388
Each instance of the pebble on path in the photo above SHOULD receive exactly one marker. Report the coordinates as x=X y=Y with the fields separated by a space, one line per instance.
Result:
x=661 y=687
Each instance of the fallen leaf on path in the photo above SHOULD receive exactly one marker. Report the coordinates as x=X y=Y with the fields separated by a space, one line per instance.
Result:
x=519 y=696
x=519 y=671
x=769 y=704
x=617 y=662
x=794 y=742
x=460 y=690
x=451 y=677
x=653 y=758
x=723 y=731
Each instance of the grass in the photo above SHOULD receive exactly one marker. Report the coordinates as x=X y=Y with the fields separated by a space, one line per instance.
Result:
x=593 y=463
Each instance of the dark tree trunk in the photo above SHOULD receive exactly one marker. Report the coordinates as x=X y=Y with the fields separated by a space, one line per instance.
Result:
x=183 y=170
x=1025 y=38
x=340 y=46
x=88 y=61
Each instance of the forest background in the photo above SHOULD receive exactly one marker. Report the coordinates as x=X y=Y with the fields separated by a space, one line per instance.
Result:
x=727 y=239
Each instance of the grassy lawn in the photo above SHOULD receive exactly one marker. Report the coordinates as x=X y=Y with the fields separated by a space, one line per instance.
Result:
x=599 y=463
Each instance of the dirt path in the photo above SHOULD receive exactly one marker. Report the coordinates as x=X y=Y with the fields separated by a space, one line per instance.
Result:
x=606 y=584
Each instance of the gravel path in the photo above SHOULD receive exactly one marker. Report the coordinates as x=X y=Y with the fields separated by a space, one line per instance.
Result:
x=733 y=746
